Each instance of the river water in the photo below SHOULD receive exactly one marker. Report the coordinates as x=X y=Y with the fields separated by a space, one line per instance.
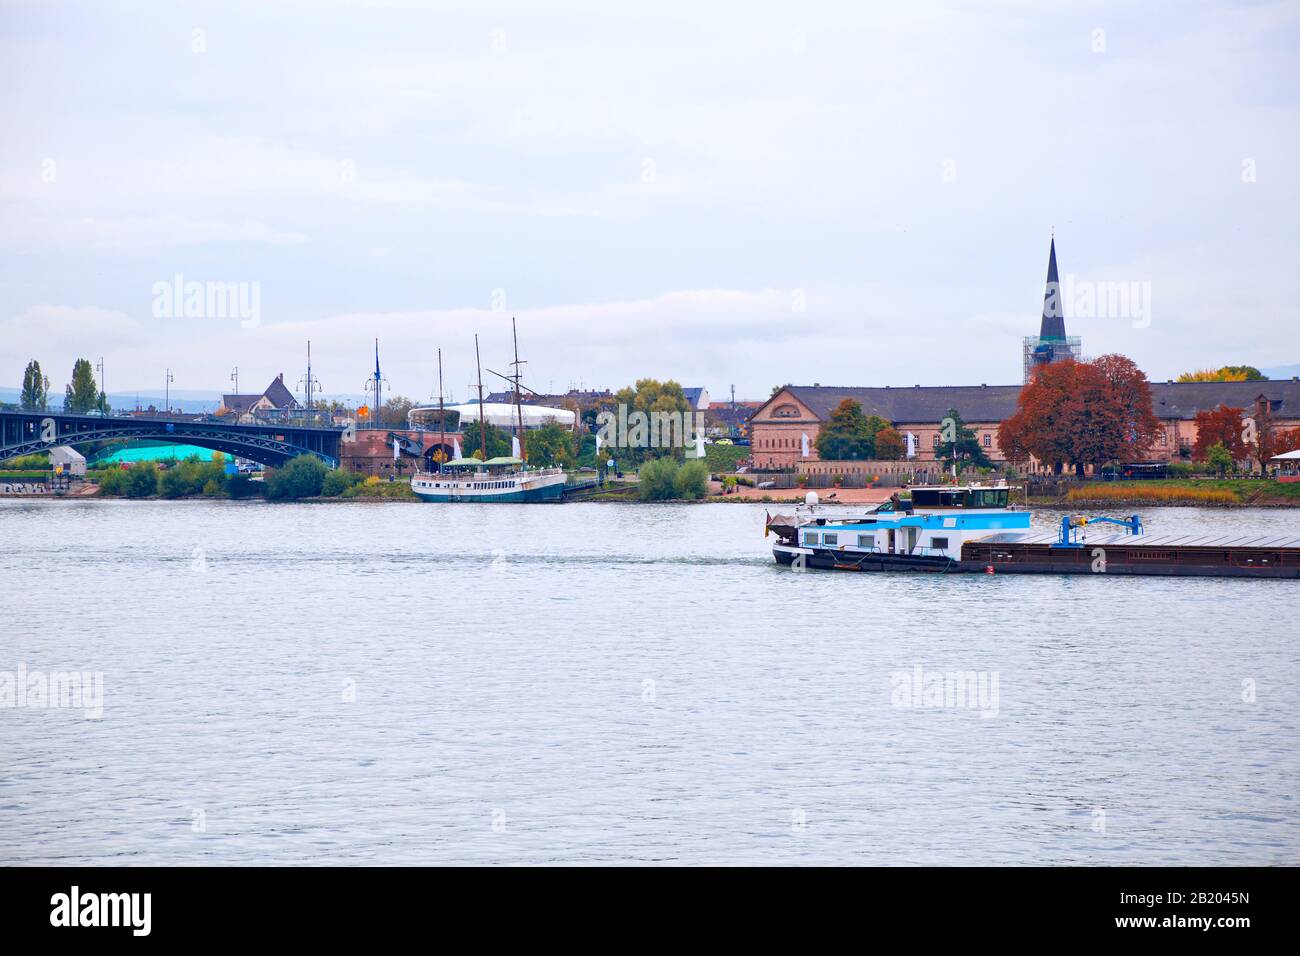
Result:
x=598 y=683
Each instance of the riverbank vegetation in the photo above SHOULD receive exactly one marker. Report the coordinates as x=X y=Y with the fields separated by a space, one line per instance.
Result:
x=1244 y=491
x=185 y=479
x=666 y=479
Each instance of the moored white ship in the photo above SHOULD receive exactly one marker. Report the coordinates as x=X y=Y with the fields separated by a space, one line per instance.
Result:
x=494 y=480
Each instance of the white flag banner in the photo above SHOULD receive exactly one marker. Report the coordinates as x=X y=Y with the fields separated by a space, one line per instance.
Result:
x=699 y=444
x=455 y=448
x=804 y=444
x=911 y=445
x=397 y=449
x=514 y=445
x=597 y=444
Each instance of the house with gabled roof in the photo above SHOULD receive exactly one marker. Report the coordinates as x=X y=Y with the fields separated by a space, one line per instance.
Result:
x=276 y=399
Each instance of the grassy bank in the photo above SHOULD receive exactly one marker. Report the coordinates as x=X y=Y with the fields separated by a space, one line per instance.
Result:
x=1175 y=491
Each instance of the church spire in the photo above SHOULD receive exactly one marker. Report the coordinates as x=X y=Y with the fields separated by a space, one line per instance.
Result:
x=1053 y=326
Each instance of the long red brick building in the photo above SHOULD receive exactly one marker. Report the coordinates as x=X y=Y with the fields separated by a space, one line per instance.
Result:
x=778 y=427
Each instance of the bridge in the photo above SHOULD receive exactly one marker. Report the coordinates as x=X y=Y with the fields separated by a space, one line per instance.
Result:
x=27 y=432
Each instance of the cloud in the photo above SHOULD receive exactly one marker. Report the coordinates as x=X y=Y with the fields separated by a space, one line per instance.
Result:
x=382 y=170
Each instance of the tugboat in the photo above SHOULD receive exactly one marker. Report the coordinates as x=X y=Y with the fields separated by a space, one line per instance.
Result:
x=504 y=479
x=974 y=528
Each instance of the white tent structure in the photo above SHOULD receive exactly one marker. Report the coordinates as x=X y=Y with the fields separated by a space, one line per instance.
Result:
x=505 y=415
x=1290 y=462
x=73 y=461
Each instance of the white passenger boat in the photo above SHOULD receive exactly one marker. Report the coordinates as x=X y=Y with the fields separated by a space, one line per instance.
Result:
x=494 y=480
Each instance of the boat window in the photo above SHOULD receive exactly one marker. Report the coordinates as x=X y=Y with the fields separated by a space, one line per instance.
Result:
x=810 y=538
x=830 y=539
x=941 y=543
x=866 y=541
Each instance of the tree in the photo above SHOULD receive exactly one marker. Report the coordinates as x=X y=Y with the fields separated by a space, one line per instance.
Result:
x=890 y=445
x=338 y=481
x=551 y=445
x=648 y=396
x=82 y=394
x=395 y=411
x=303 y=477
x=691 y=480
x=1261 y=437
x=498 y=442
x=1229 y=373
x=1287 y=441
x=1128 y=393
x=656 y=480
x=959 y=443
x=1220 y=426
x=36 y=388
x=141 y=480
x=849 y=434
x=1219 y=457
x=1081 y=413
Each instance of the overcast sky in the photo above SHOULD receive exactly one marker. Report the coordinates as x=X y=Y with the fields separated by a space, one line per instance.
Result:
x=748 y=193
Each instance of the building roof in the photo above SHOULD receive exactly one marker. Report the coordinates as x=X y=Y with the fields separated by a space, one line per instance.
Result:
x=1185 y=399
x=503 y=415
x=976 y=403
x=239 y=403
x=994 y=403
x=66 y=455
x=693 y=396
x=278 y=393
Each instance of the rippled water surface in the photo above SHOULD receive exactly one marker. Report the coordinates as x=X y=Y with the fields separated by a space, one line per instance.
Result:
x=594 y=683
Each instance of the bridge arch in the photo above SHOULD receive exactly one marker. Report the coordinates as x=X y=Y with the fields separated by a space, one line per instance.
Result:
x=24 y=433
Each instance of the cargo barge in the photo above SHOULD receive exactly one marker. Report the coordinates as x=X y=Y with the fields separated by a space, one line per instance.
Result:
x=975 y=529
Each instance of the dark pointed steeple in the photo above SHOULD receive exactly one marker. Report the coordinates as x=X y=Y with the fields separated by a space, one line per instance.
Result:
x=1053 y=326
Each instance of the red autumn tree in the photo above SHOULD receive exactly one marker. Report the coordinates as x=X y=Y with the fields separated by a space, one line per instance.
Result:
x=1221 y=425
x=1082 y=413
x=1129 y=393
x=1287 y=441
x=889 y=444
x=1040 y=426
x=1267 y=440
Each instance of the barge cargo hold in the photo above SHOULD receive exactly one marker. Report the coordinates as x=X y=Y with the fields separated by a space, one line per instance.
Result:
x=1170 y=555
x=974 y=529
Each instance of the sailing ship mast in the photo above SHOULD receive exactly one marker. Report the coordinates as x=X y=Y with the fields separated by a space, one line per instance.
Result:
x=519 y=407
x=482 y=422
x=442 y=416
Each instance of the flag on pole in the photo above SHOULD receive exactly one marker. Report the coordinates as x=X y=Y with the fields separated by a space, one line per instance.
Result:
x=699 y=444
x=514 y=446
x=911 y=445
x=597 y=444
x=455 y=448
x=397 y=452
x=804 y=444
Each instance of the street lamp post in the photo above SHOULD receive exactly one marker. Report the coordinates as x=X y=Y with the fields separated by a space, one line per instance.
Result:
x=167 y=393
